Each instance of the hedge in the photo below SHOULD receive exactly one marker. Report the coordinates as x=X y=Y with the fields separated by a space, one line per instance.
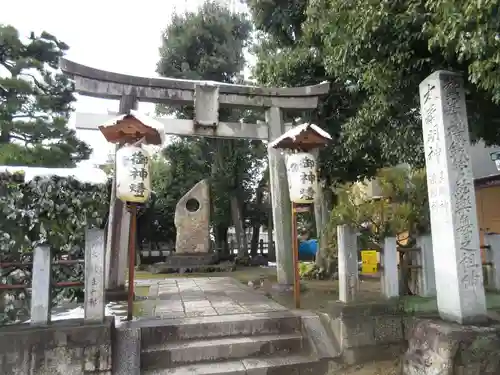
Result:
x=50 y=211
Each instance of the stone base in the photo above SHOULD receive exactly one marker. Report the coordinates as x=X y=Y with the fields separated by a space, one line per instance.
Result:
x=367 y=331
x=441 y=348
x=116 y=295
x=63 y=347
x=184 y=263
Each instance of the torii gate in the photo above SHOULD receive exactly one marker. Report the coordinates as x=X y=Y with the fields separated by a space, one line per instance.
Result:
x=206 y=96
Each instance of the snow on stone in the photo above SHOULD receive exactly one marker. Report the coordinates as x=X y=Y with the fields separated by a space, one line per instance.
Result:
x=78 y=312
x=87 y=174
x=294 y=132
x=146 y=120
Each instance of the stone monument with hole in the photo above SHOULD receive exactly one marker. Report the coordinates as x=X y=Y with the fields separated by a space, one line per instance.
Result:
x=192 y=222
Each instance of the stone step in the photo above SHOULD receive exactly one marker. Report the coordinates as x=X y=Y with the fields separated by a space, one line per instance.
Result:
x=160 y=331
x=289 y=365
x=217 y=350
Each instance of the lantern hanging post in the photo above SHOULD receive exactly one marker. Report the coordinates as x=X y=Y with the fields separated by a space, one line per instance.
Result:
x=132 y=174
x=295 y=251
x=302 y=179
x=131 y=259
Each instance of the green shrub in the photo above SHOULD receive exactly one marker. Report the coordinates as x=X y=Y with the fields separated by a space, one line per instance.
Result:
x=50 y=211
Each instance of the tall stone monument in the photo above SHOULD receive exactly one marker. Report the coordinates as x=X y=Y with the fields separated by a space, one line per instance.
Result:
x=454 y=226
x=192 y=221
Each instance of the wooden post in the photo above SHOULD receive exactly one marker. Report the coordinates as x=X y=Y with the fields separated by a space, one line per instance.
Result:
x=131 y=257
x=41 y=286
x=295 y=252
x=493 y=241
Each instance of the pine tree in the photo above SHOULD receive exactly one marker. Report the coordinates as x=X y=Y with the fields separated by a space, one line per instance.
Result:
x=35 y=103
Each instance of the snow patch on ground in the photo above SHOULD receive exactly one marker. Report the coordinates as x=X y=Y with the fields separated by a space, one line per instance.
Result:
x=119 y=311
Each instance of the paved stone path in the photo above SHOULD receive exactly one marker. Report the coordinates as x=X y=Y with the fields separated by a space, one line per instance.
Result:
x=207 y=296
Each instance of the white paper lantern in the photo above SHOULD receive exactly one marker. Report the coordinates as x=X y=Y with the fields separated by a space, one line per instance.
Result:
x=133 y=182
x=302 y=177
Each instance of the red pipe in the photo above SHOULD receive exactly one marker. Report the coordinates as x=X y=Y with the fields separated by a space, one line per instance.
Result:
x=131 y=260
x=30 y=264
x=16 y=264
x=68 y=284
x=14 y=286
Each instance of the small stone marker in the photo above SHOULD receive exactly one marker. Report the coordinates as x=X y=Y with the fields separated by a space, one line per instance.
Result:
x=455 y=231
x=427 y=276
x=94 y=275
x=348 y=263
x=41 y=289
x=390 y=275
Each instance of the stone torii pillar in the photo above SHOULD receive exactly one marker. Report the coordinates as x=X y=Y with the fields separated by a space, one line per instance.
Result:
x=207 y=97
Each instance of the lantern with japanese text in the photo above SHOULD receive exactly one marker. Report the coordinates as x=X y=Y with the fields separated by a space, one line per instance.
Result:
x=133 y=183
x=302 y=177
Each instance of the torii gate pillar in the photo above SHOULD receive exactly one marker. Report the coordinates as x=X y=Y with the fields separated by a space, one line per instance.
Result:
x=280 y=200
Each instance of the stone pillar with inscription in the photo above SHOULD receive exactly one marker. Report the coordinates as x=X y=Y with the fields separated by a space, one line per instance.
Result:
x=390 y=277
x=348 y=263
x=454 y=227
x=95 y=263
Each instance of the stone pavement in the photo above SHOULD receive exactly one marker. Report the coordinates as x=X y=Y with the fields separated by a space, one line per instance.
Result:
x=207 y=296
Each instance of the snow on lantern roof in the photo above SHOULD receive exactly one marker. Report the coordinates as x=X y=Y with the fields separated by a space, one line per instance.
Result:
x=83 y=174
x=115 y=129
x=302 y=136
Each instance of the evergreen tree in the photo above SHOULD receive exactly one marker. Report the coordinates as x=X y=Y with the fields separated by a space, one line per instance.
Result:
x=208 y=44
x=35 y=103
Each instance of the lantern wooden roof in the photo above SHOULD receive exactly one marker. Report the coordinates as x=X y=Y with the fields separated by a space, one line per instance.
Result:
x=302 y=137
x=131 y=127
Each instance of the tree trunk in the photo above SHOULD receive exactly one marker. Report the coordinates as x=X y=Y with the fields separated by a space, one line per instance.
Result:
x=322 y=208
x=271 y=252
x=237 y=218
x=254 y=244
x=6 y=127
x=259 y=196
x=220 y=235
x=318 y=218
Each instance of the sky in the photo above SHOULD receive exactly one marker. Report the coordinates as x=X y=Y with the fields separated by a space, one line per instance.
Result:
x=104 y=34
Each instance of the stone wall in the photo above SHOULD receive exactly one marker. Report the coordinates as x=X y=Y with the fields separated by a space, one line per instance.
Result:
x=438 y=347
x=426 y=344
x=369 y=331
x=68 y=347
